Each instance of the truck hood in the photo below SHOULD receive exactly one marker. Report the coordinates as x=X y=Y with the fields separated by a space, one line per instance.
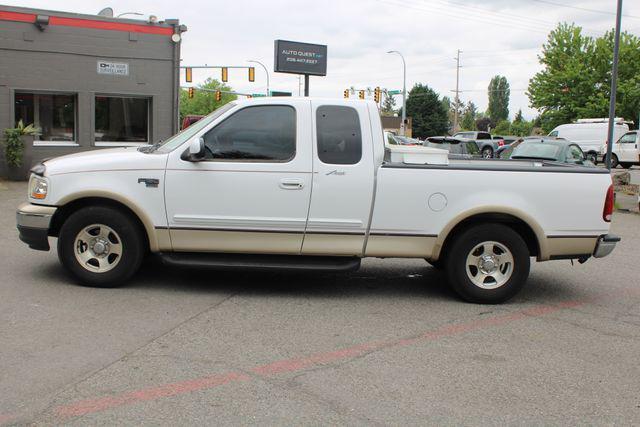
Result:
x=126 y=158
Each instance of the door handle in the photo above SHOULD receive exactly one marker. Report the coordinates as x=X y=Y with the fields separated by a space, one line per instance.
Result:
x=291 y=184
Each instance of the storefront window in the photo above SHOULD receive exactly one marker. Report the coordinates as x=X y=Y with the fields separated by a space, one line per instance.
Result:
x=54 y=114
x=122 y=119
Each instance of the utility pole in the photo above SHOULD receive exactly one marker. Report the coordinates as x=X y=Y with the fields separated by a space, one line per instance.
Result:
x=457 y=98
x=614 y=77
x=403 y=125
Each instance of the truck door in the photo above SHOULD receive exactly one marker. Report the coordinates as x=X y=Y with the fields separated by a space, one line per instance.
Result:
x=628 y=148
x=251 y=192
x=343 y=179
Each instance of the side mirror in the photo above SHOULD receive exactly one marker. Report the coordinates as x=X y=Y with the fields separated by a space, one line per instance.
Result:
x=195 y=152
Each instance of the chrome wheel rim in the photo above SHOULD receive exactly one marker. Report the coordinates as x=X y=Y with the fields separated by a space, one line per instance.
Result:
x=489 y=265
x=98 y=248
x=487 y=154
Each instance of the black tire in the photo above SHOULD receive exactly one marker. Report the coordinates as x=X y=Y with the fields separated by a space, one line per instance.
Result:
x=614 y=161
x=487 y=152
x=593 y=157
x=626 y=165
x=127 y=235
x=463 y=246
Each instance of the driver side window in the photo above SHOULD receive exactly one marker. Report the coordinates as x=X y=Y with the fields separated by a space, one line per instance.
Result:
x=629 y=138
x=265 y=133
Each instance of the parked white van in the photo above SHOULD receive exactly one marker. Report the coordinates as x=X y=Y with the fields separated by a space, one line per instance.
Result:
x=624 y=152
x=591 y=134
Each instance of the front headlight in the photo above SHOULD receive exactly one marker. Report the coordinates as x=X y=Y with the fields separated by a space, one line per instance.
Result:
x=38 y=187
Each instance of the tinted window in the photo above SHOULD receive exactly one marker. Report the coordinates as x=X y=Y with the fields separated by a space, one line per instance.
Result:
x=464 y=135
x=484 y=135
x=54 y=114
x=266 y=133
x=536 y=150
x=575 y=155
x=121 y=119
x=339 y=136
x=554 y=133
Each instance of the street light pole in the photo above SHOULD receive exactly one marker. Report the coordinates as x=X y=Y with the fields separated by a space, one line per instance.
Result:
x=404 y=92
x=265 y=70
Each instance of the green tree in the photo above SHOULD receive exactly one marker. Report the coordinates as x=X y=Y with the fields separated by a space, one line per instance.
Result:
x=427 y=111
x=468 y=121
x=388 y=105
x=204 y=101
x=576 y=79
x=503 y=127
x=499 y=93
x=519 y=117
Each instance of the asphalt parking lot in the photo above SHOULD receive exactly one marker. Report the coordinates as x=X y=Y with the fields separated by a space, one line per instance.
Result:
x=390 y=344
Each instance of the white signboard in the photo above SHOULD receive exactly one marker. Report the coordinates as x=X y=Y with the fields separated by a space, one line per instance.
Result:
x=113 y=68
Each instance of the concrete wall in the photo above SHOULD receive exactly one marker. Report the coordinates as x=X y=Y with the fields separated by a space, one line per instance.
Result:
x=64 y=59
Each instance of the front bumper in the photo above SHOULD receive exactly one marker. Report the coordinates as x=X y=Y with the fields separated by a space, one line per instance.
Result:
x=33 y=225
x=605 y=245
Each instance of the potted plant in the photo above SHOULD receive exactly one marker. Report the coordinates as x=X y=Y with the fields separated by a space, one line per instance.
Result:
x=17 y=150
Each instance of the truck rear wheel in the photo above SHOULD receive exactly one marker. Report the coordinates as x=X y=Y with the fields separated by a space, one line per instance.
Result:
x=100 y=246
x=488 y=264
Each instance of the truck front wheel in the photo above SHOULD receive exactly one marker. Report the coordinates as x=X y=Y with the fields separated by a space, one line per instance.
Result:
x=100 y=246
x=488 y=264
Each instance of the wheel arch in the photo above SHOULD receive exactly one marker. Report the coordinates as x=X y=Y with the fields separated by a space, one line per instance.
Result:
x=72 y=203
x=519 y=221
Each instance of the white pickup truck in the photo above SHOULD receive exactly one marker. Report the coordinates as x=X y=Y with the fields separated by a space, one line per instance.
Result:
x=302 y=183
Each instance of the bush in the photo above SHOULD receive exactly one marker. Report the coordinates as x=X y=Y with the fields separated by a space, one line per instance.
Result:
x=14 y=147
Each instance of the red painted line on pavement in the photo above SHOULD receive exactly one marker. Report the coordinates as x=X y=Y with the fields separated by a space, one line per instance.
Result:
x=298 y=364
x=166 y=390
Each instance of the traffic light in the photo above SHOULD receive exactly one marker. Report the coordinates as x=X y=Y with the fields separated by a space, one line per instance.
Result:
x=376 y=95
x=252 y=74
x=188 y=74
x=249 y=96
x=225 y=74
x=346 y=93
x=218 y=95
x=361 y=94
x=192 y=92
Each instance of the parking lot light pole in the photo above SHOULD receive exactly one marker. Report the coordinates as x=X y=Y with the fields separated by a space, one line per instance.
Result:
x=614 y=77
x=265 y=70
x=404 y=92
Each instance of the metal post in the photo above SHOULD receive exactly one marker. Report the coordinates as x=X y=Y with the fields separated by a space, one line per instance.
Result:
x=265 y=70
x=404 y=93
x=457 y=98
x=306 y=85
x=614 y=83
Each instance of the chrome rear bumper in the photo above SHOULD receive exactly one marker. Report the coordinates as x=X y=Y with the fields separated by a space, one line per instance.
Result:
x=605 y=245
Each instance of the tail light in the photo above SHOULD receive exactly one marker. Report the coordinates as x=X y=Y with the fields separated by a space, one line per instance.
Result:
x=607 y=212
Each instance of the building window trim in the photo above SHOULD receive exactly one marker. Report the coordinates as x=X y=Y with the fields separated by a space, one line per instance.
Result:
x=148 y=98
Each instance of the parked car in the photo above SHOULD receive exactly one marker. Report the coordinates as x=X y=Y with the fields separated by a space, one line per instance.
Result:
x=552 y=149
x=234 y=191
x=190 y=119
x=485 y=142
x=457 y=148
x=590 y=134
x=624 y=152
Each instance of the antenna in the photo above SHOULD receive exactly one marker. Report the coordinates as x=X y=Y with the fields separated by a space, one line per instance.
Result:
x=107 y=12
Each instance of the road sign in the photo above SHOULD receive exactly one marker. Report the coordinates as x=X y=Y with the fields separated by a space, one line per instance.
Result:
x=258 y=95
x=394 y=92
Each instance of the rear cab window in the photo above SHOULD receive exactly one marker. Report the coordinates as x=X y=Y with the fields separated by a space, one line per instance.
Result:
x=339 y=138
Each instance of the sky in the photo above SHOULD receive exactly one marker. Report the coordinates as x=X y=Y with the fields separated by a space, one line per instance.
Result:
x=495 y=37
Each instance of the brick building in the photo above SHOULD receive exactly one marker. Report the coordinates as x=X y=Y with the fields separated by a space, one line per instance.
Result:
x=87 y=81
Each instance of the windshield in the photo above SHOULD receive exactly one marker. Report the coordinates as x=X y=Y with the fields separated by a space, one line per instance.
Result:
x=187 y=133
x=537 y=150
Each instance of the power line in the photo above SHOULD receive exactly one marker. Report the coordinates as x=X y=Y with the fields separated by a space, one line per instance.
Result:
x=604 y=12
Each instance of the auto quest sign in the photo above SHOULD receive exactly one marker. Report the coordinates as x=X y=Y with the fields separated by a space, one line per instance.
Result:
x=300 y=58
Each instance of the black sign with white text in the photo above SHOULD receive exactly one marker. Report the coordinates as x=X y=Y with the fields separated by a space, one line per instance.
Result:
x=300 y=58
